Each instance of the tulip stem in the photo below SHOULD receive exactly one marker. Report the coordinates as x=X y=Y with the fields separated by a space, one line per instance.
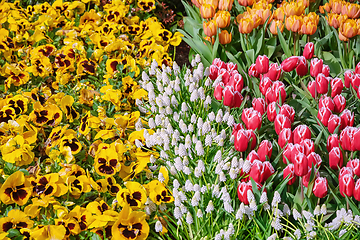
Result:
x=347 y=204
x=294 y=44
x=302 y=190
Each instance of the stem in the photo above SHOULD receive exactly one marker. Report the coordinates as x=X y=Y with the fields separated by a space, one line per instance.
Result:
x=294 y=43
x=347 y=204
x=247 y=42
x=302 y=190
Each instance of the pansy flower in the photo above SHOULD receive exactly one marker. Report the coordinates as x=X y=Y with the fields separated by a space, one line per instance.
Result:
x=19 y=103
x=48 y=232
x=146 y=5
x=106 y=162
x=50 y=114
x=49 y=185
x=78 y=185
x=15 y=219
x=86 y=66
x=71 y=225
x=158 y=193
x=112 y=186
x=133 y=195
x=15 y=76
x=17 y=151
x=7 y=113
x=66 y=105
x=82 y=216
x=55 y=137
x=69 y=140
x=16 y=189
x=130 y=225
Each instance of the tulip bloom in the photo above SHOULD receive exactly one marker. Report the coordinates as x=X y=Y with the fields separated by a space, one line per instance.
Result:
x=301 y=133
x=213 y=69
x=335 y=158
x=222 y=19
x=262 y=64
x=218 y=91
x=348 y=76
x=246 y=3
x=348 y=30
x=246 y=25
x=308 y=145
x=355 y=166
x=296 y=148
x=347 y=138
x=347 y=119
x=274 y=72
x=225 y=37
x=252 y=71
x=333 y=123
x=311 y=88
x=228 y=95
x=259 y=105
x=271 y=111
x=253 y=121
x=225 y=5
x=275 y=24
x=288 y=111
x=225 y=75
x=285 y=136
x=290 y=173
x=265 y=84
x=219 y=63
x=290 y=63
x=357 y=190
x=261 y=171
x=316 y=66
x=252 y=138
x=314 y=159
x=207 y=11
x=242 y=191
x=265 y=149
x=253 y=156
x=320 y=188
x=355 y=81
x=287 y=153
x=322 y=83
x=339 y=103
x=326 y=102
x=308 y=52
x=323 y=115
x=302 y=68
x=238 y=99
x=300 y=164
x=336 y=87
x=332 y=141
x=210 y=28
x=241 y=140
x=293 y=23
x=346 y=185
x=281 y=122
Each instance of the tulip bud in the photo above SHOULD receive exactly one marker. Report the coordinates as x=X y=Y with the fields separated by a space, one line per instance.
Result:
x=332 y=141
x=339 y=103
x=265 y=149
x=336 y=87
x=346 y=185
x=357 y=190
x=320 y=188
x=333 y=123
x=347 y=119
x=300 y=165
x=287 y=153
x=246 y=25
x=293 y=23
x=222 y=19
x=262 y=64
x=311 y=88
x=285 y=136
x=252 y=139
x=301 y=133
x=254 y=120
x=225 y=5
x=265 y=84
x=259 y=105
x=236 y=81
x=324 y=115
x=348 y=76
x=316 y=66
x=306 y=178
x=290 y=63
x=326 y=102
x=213 y=69
x=236 y=128
x=290 y=173
x=210 y=28
x=347 y=138
x=238 y=99
x=271 y=111
x=241 y=140
x=261 y=171
x=355 y=166
x=314 y=159
x=252 y=71
x=207 y=11
x=242 y=191
x=219 y=63
x=225 y=37
x=348 y=29
x=308 y=52
x=302 y=68
x=225 y=75
x=356 y=141
x=274 y=72
x=218 y=91
x=335 y=158
x=279 y=90
x=308 y=145
x=253 y=156
x=322 y=83
x=281 y=122
x=232 y=68
x=275 y=24
x=228 y=95
x=288 y=111
x=325 y=70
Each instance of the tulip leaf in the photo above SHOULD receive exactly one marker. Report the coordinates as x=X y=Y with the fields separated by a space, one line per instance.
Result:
x=250 y=54
x=190 y=11
x=259 y=41
x=215 y=46
x=283 y=44
x=333 y=63
x=234 y=60
x=318 y=138
x=352 y=205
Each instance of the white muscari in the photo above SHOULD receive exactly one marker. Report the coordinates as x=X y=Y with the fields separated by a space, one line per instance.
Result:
x=158 y=226
x=189 y=218
x=209 y=207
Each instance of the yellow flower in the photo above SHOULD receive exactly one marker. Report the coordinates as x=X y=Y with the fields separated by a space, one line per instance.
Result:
x=17 y=151
x=66 y=106
x=146 y=5
x=158 y=193
x=78 y=185
x=16 y=189
x=106 y=161
x=130 y=225
x=133 y=195
x=82 y=216
x=49 y=232
x=15 y=219
x=49 y=185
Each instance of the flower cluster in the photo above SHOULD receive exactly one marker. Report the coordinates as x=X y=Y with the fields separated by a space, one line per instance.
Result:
x=73 y=161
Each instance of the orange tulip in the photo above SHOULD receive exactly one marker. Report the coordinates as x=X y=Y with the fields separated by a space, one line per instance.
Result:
x=279 y=14
x=215 y=3
x=349 y=28
x=207 y=11
x=312 y=16
x=246 y=25
x=293 y=8
x=325 y=8
x=222 y=19
x=210 y=28
x=225 y=37
x=308 y=28
x=336 y=6
x=196 y=3
x=275 y=24
x=225 y=5
x=246 y=3
x=358 y=25
x=210 y=39
x=351 y=10
x=336 y=20
x=293 y=23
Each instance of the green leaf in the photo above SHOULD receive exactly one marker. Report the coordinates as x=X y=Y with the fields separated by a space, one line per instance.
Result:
x=283 y=44
x=334 y=65
x=190 y=11
x=255 y=189
x=352 y=205
x=215 y=46
x=234 y=60
x=259 y=41
x=13 y=233
x=250 y=54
